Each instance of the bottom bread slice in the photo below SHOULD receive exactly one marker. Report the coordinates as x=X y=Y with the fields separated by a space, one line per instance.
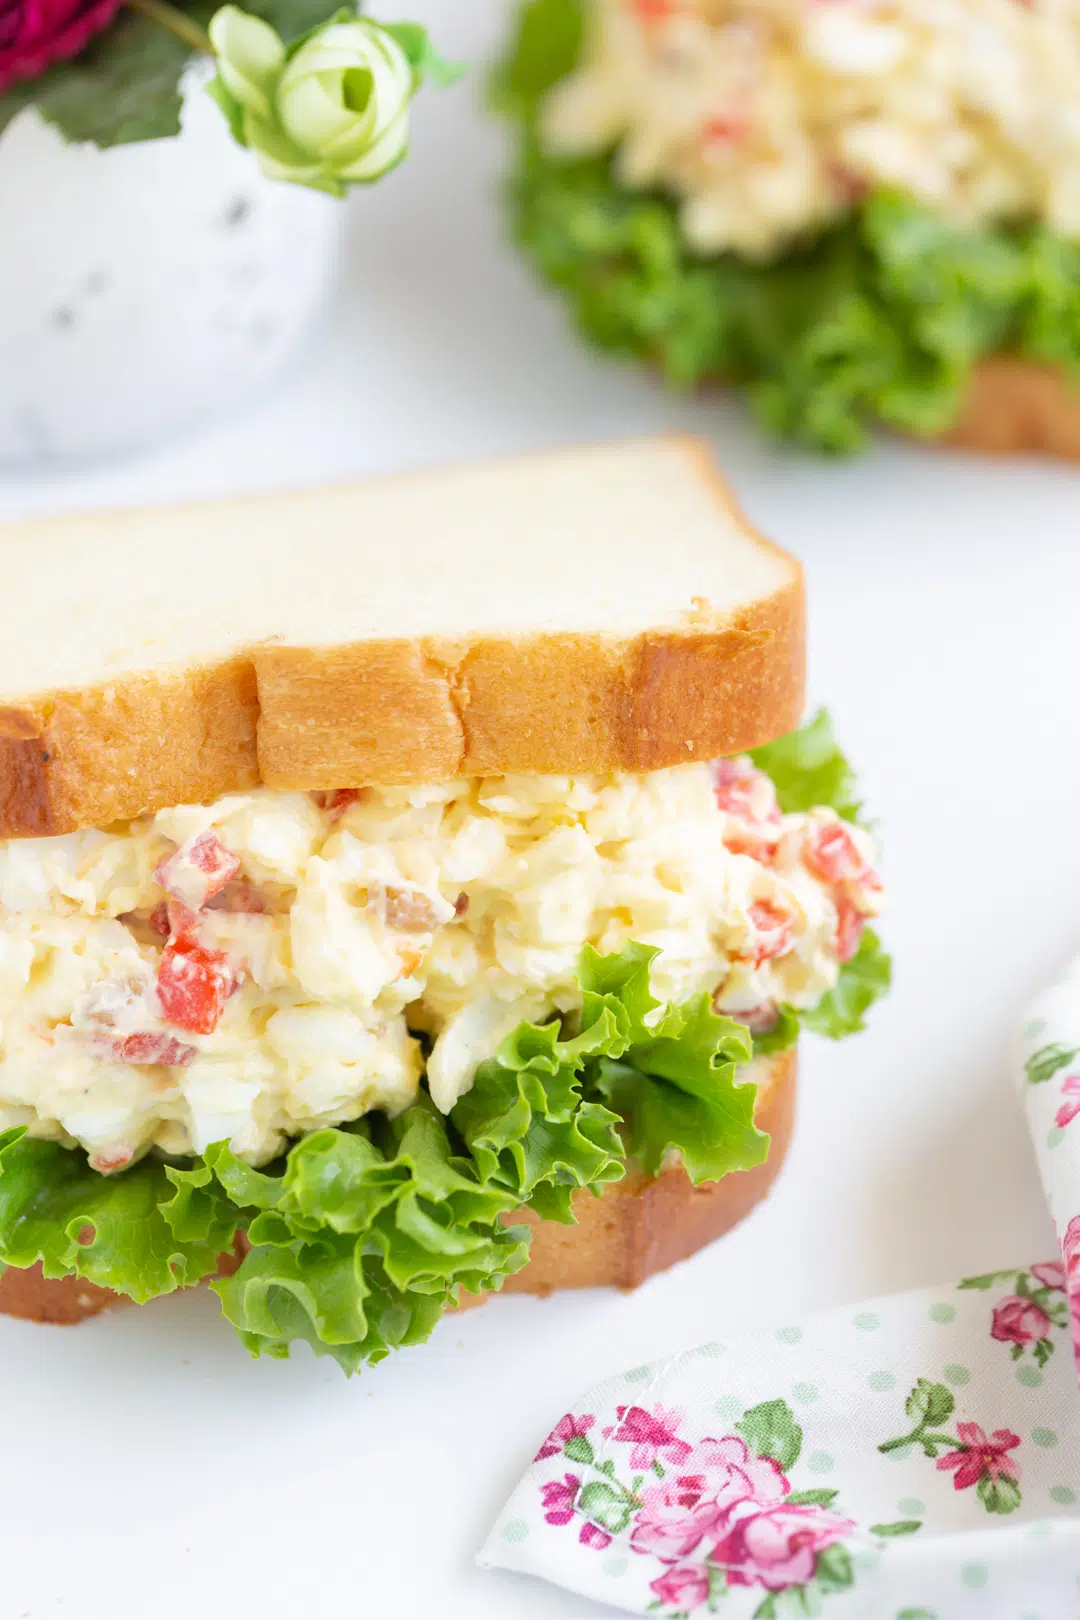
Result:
x=638 y=1226
x=1014 y=405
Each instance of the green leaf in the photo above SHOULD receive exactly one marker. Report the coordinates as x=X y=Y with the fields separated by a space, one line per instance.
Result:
x=546 y=44
x=808 y=769
x=842 y=1011
x=424 y=59
x=929 y=1405
x=833 y=1569
x=899 y=1527
x=578 y=1449
x=782 y=1036
x=815 y=1498
x=998 y=1495
x=143 y=1233
x=1045 y=1063
x=988 y=1280
x=527 y=1125
x=770 y=1430
x=605 y=1506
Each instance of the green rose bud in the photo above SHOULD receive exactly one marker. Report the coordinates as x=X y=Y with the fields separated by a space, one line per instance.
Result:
x=329 y=110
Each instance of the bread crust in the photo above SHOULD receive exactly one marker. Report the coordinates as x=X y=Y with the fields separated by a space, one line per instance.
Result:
x=638 y=1226
x=402 y=710
x=644 y=1224
x=1015 y=405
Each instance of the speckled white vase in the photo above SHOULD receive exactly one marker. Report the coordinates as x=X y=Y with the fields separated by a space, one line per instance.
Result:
x=147 y=286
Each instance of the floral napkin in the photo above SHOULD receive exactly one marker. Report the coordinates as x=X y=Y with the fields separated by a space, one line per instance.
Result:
x=915 y=1458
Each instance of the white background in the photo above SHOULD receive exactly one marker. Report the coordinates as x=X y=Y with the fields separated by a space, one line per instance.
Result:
x=149 y=1467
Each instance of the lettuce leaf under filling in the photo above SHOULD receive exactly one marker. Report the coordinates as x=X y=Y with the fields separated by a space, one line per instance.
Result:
x=880 y=318
x=361 y=1235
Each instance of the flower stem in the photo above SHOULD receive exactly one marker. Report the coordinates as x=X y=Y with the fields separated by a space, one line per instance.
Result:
x=175 y=22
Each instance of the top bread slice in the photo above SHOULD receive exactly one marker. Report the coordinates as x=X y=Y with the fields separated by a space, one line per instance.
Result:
x=589 y=609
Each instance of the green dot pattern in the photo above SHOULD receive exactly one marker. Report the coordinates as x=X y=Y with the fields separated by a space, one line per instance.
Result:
x=805 y=1393
x=1034 y=1028
x=712 y=1349
x=956 y=1375
x=942 y=1313
x=975 y=1575
x=1030 y=1377
x=515 y=1530
x=1063 y=1495
x=867 y=1322
x=1046 y=1438
x=636 y=1375
x=882 y=1382
x=820 y=1462
x=615 y=1564
x=1055 y=1136
x=728 y=1407
x=911 y=1507
x=789 y=1335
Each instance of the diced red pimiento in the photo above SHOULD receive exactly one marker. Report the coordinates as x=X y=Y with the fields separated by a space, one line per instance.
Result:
x=653 y=11
x=748 y=798
x=109 y=1159
x=760 y=845
x=174 y=920
x=151 y=1047
x=197 y=870
x=832 y=854
x=408 y=911
x=338 y=800
x=193 y=985
x=850 y=922
x=773 y=930
x=85 y=1235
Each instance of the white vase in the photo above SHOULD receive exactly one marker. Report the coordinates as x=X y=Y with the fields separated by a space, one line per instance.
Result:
x=147 y=286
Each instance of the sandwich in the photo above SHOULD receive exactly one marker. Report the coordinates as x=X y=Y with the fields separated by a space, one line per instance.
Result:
x=391 y=874
x=860 y=214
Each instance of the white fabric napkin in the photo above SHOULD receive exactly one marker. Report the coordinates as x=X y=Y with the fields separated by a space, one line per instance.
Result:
x=915 y=1458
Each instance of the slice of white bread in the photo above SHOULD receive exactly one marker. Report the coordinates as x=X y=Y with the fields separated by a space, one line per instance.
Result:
x=575 y=610
x=637 y=1226
x=1014 y=405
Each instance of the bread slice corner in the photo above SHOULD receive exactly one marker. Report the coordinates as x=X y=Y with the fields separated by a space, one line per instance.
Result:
x=590 y=609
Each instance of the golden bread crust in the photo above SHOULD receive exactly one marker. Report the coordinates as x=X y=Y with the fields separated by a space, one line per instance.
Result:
x=643 y=1224
x=1017 y=405
x=402 y=710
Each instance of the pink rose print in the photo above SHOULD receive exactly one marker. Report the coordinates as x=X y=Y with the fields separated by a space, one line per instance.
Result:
x=710 y=1513
x=1070 y=1107
x=973 y=1457
x=653 y=1435
x=1051 y=1274
x=684 y=1588
x=677 y=1513
x=568 y=1428
x=558 y=1497
x=981 y=1454
x=1027 y=1318
x=777 y=1547
x=1020 y=1321
x=1070 y=1248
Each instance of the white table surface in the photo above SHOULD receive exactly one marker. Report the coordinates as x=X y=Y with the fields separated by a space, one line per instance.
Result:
x=149 y=1467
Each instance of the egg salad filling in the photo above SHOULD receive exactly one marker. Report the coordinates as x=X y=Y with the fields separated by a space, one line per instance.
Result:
x=840 y=206
x=351 y=1034
x=253 y=969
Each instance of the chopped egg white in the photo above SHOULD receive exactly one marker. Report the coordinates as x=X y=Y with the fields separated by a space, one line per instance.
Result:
x=769 y=118
x=333 y=930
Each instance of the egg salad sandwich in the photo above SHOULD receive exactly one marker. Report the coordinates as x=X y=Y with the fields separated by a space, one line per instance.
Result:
x=391 y=874
x=860 y=212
